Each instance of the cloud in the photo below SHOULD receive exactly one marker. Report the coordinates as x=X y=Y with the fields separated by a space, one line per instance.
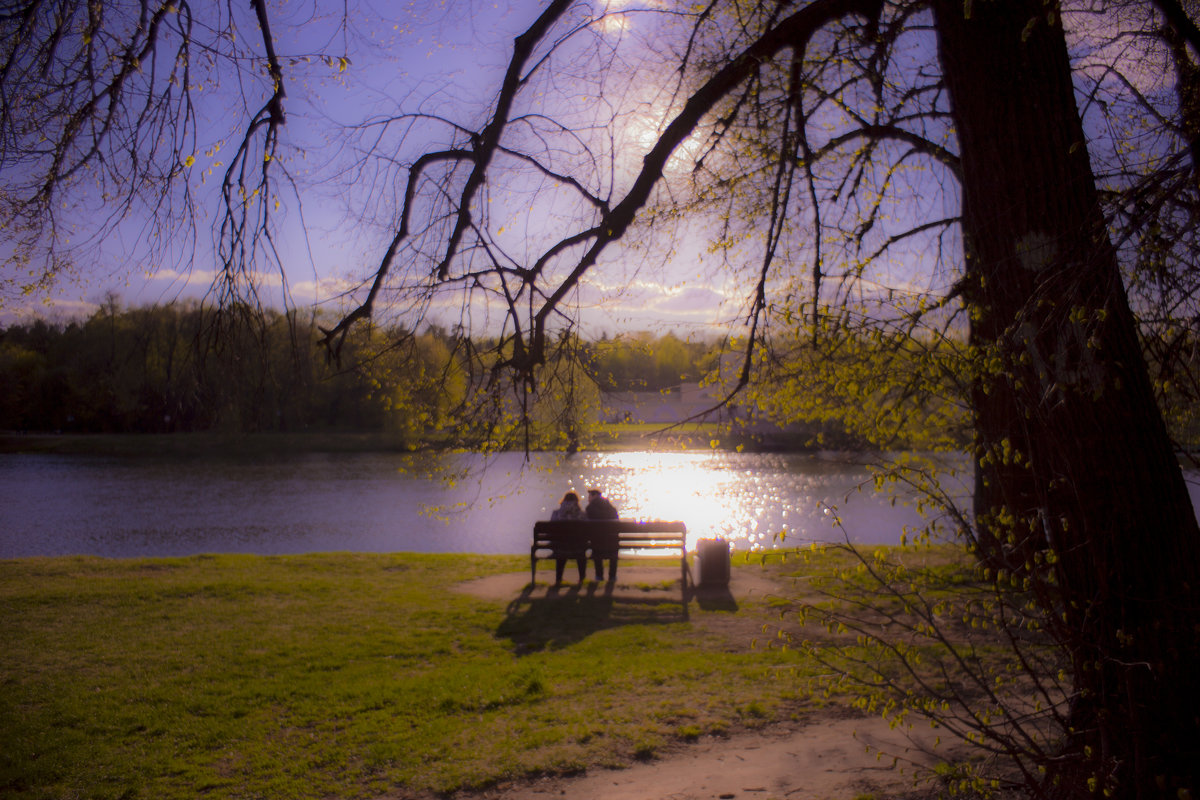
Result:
x=192 y=278
x=692 y=300
x=55 y=309
x=650 y=305
x=270 y=284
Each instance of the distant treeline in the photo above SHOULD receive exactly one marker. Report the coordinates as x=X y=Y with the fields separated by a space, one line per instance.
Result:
x=182 y=367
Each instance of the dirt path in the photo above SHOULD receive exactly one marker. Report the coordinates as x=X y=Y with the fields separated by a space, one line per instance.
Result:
x=827 y=760
x=828 y=757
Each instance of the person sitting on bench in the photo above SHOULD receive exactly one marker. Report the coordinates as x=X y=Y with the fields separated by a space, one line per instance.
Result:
x=599 y=508
x=569 y=509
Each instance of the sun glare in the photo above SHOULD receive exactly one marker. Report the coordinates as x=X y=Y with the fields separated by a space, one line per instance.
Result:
x=611 y=24
x=695 y=487
x=611 y=18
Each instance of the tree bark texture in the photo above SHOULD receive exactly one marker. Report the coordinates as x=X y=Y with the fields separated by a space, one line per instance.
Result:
x=1077 y=486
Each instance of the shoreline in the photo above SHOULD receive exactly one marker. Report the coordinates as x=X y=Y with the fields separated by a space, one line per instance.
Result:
x=208 y=444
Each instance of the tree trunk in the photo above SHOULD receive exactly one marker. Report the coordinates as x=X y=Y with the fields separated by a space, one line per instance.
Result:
x=1073 y=460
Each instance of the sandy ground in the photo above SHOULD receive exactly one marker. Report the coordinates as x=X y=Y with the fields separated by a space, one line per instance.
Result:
x=827 y=757
x=826 y=760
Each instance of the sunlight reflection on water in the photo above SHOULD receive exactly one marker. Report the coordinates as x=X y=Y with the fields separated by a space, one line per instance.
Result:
x=750 y=499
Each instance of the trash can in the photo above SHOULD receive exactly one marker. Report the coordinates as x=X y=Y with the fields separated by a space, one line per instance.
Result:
x=713 y=555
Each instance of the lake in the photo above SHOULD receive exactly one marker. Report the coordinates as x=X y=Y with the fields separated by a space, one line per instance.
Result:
x=384 y=502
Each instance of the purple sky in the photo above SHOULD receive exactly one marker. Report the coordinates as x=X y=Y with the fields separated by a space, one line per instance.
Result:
x=436 y=58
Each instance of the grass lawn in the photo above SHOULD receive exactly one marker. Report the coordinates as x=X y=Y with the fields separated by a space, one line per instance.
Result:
x=346 y=676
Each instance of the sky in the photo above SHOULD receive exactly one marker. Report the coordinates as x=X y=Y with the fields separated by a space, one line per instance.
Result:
x=434 y=57
x=444 y=60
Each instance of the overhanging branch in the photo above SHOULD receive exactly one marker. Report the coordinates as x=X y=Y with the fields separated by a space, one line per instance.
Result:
x=793 y=32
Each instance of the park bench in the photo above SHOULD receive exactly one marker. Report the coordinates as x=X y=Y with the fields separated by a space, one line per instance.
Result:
x=624 y=536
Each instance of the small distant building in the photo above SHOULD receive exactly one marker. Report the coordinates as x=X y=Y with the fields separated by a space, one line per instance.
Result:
x=687 y=401
x=694 y=403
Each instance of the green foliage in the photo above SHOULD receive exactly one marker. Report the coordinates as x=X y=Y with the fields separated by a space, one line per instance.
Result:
x=180 y=367
x=867 y=381
x=1173 y=356
x=927 y=636
x=643 y=362
x=885 y=386
x=183 y=368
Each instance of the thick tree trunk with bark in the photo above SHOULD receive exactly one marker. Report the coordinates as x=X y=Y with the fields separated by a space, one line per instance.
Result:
x=1077 y=485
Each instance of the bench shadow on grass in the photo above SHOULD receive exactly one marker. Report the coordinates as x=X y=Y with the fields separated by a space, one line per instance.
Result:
x=567 y=614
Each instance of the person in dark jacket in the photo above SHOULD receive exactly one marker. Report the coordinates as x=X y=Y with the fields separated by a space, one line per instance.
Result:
x=569 y=509
x=599 y=507
x=603 y=547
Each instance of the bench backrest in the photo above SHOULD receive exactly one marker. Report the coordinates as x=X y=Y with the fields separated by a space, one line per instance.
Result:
x=637 y=534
